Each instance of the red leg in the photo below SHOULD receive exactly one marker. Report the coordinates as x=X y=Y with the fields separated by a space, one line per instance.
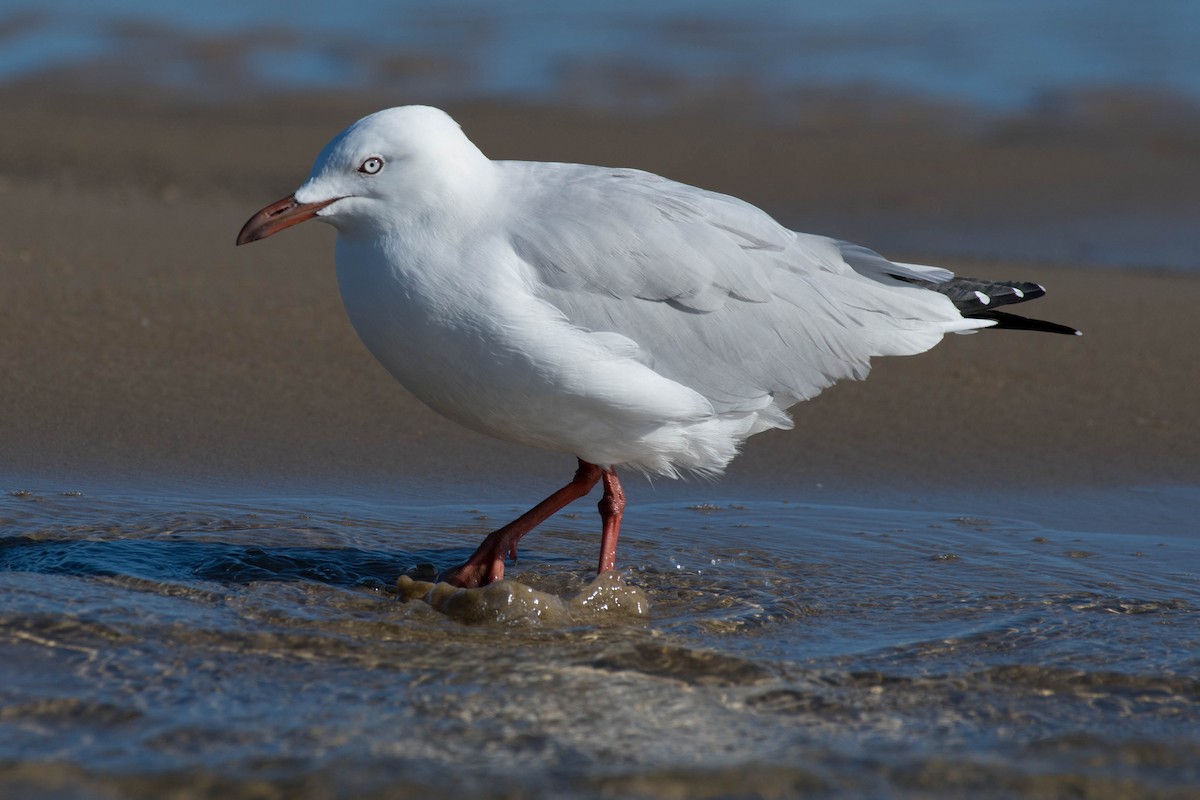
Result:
x=611 y=506
x=486 y=564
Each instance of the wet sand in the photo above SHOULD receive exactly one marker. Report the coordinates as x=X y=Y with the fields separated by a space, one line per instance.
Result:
x=139 y=343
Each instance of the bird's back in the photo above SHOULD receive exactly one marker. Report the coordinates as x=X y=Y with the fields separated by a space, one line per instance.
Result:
x=712 y=291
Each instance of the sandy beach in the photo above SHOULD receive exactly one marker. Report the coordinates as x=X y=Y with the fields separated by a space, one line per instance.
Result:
x=140 y=343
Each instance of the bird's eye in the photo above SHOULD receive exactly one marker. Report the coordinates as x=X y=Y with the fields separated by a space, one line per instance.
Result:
x=371 y=165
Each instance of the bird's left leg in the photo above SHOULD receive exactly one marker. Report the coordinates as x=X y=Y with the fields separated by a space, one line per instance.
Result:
x=612 y=507
x=486 y=564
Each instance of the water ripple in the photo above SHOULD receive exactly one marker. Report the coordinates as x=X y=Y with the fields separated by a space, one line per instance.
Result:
x=788 y=647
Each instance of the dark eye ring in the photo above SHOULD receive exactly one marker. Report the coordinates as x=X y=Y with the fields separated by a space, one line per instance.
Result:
x=371 y=165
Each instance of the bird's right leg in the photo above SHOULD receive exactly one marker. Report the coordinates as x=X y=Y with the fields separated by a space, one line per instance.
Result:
x=612 y=507
x=486 y=564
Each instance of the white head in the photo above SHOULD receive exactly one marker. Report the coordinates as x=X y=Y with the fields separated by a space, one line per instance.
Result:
x=397 y=163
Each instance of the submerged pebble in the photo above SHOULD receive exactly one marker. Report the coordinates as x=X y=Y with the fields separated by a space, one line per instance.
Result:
x=508 y=601
x=608 y=594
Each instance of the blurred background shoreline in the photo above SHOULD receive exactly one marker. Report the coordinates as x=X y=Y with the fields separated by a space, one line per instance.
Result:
x=1106 y=98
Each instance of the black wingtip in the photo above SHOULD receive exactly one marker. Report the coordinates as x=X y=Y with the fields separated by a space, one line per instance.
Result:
x=1006 y=321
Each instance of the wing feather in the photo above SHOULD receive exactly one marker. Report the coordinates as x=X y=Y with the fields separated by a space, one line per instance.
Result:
x=712 y=291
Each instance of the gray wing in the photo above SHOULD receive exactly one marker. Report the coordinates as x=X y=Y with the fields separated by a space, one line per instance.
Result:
x=710 y=291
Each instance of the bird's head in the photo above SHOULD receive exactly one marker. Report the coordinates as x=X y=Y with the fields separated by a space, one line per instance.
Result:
x=397 y=162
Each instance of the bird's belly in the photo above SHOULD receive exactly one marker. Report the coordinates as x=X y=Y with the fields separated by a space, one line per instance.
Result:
x=496 y=359
x=455 y=355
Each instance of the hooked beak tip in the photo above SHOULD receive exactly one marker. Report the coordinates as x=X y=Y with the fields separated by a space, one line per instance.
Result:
x=277 y=216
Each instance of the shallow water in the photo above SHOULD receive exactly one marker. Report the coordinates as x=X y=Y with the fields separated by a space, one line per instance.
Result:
x=972 y=51
x=257 y=648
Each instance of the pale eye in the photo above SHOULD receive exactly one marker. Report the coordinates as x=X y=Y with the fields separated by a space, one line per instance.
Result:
x=371 y=165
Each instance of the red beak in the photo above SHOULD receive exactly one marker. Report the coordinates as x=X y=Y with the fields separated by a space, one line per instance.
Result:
x=279 y=215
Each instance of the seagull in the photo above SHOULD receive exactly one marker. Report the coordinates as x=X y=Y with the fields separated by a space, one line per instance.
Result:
x=611 y=314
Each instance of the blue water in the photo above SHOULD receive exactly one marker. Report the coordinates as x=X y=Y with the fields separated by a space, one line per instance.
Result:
x=980 y=52
x=155 y=641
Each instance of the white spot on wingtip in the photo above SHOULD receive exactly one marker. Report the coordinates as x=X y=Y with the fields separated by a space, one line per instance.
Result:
x=1018 y=292
x=983 y=298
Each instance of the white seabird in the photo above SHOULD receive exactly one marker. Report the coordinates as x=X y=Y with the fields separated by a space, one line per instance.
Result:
x=612 y=314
